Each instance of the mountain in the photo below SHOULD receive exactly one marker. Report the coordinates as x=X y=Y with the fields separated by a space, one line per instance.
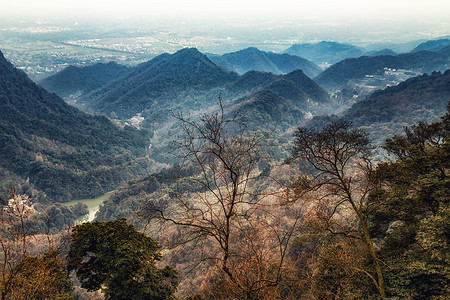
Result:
x=284 y=101
x=253 y=59
x=298 y=88
x=252 y=80
x=396 y=47
x=325 y=52
x=57 y=152
x=160 y=84
x=419 y=99
x=380 y=52
x=189 y=82
x=82 y=80
x=309 y=86
x=269 y=108
x=433 y=45
x=341 y=73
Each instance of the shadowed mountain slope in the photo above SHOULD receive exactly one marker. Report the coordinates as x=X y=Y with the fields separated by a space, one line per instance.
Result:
x=57 y=149
x=81 y=80
x=160 y=82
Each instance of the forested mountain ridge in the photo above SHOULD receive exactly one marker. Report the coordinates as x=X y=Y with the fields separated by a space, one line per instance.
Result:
x=278 y=101
x=58 y=150
x=82 y=80
x=159 y=83
x=419 y=99
x=385 y=112
x=270 y=108
x=380 y=52
x=432 y=45
x=189 y=81
x=339 y=74
x=252 y=59
x=308 y=85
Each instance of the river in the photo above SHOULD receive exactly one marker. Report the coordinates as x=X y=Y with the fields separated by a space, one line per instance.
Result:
x=92 y=204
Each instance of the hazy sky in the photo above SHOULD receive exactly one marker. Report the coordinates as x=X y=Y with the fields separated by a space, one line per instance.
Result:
x=410 y=10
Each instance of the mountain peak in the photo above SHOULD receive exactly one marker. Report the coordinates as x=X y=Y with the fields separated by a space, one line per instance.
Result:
x=189 y=57
x=193 y=52
x=295 y=74
x=251 y=49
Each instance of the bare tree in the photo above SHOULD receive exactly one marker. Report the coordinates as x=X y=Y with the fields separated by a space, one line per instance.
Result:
x=221 y=203
x=14 y=236
x=340 y=157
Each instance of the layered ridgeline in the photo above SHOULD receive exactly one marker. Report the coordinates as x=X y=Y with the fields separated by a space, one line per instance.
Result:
x=165 y=82
x=283 y=101
x=378 y=68
x=188 y=81
x=383 y=114
x=75 y=81
x=57 y=150
x=252 y=59
x=325 y=52
x=433 y=45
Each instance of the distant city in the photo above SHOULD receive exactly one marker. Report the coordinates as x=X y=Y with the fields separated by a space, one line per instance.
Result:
x=44 y=48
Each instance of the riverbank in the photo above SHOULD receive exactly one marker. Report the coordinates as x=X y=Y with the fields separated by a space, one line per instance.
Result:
x=92 y=204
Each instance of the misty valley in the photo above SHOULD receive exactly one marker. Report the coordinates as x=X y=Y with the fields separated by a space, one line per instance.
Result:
x=143 y=167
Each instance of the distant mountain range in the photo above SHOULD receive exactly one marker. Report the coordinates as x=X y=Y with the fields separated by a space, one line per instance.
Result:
x=56 y=151
x=187 y=81
x=329 y=53
x=341 y=73
x=433 y=45
x=325 y=52
x=82 y=80
x=252 y=59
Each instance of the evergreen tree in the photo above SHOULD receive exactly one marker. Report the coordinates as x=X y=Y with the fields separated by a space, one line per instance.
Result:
x=121 y=261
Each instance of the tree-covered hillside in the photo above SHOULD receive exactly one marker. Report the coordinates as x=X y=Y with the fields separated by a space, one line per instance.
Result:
x=433 y=45
x=339 y=74
x=58 y=150
x=331 y=224
x=418 y=99
x=157 y=84
x=75 y=81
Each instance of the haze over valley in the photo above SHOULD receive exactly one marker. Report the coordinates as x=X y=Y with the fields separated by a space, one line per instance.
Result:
x=224 y=150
